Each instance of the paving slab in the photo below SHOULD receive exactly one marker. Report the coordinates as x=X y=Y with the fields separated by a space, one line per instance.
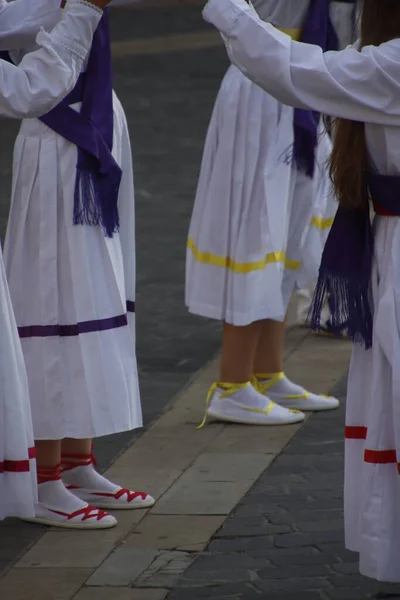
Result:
x=249 y=440
x=227 y=467
x=66 y=549
x=201 y=498
x=166 y=570
x=123 y=567
x=169 y=532
x=118 y=593
x=42 y=584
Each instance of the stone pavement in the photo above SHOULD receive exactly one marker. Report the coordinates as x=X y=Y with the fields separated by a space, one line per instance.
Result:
x=198 y=478
x=285 y=538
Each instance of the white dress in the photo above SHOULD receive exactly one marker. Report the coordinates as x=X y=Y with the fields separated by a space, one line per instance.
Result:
x=258 y=225
x=363 y=86
x=73 y=289
x=33 y=88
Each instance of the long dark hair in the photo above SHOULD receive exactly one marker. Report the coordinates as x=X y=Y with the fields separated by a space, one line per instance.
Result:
x=350 y=162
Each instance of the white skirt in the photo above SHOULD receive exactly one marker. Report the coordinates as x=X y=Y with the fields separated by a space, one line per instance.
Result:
x=71 y=288
x=17 y=463
x=252 y=211
x=372 y=470
x=323 y=211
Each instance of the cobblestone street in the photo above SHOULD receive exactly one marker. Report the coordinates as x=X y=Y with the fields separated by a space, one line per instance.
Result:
x=285 y=539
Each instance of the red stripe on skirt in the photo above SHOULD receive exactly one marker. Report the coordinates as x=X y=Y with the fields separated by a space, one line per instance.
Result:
x=356 y=433
x=374 y=457
x=380 y=457
x=17 y=466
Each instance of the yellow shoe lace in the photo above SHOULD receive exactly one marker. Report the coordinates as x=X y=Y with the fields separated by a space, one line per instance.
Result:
x=231 y=388
x=264 y=381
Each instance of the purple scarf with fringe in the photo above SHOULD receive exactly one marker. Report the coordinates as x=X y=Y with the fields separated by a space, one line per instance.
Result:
x=98 y=176
x=345 y=272
x=319 y=31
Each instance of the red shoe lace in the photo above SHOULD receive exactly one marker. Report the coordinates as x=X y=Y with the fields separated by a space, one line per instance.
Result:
x=45 y=474
x=78 y=460
x=130 y=496
x=88 y=512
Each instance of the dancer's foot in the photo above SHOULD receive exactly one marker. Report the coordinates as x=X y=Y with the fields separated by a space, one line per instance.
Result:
x=284 y=392
x=242 y=403
x=57 y=507
x=82 y=480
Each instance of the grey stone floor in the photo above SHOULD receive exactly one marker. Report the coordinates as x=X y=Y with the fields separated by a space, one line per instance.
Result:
x=168 y=100
x=285 y=539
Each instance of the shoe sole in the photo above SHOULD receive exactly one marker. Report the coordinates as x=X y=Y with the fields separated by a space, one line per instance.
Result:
x=320 y=409
x=310 y=410
x=251 y=422
x=62 y=525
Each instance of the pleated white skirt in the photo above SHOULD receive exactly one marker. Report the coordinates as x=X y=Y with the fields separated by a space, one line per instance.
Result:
x=372 y=470
x=71 y=288
x=252 y=212
x=17 y=463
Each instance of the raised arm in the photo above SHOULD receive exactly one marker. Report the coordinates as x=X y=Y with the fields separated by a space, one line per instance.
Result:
x=363 y=86
x=21 y=21
x=46 y=76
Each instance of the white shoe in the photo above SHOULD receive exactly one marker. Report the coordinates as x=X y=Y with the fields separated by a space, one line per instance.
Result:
x=123 y=499
x=290 y=395
x=241 y=403
x=85 y=518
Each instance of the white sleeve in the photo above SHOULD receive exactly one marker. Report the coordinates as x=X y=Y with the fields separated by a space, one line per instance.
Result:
x=363 y=86
x=21 y=21
x=46 y=76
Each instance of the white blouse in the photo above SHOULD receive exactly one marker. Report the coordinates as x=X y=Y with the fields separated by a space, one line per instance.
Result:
x=21 y=20
x=46 y=76
x=363 y=86
x=290 y=14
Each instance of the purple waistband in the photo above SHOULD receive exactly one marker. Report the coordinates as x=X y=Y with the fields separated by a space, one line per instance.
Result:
x=385 y=191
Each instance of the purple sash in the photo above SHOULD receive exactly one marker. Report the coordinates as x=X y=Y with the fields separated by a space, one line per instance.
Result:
x=345 y=271
x=318 y=30
x=98 y=176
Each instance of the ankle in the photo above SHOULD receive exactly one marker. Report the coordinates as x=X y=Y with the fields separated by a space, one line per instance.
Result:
x=47 y=474
x=71 y=461
x=266 y=376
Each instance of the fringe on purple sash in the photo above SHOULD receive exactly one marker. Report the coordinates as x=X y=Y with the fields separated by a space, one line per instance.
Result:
x=94 y=194
x=350 y=307
x=304 y=145
x=344 y=278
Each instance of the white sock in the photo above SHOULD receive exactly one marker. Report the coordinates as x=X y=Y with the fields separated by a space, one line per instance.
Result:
x=85 y=476
x=283 y=387
x=247 y=396
x=53 y=494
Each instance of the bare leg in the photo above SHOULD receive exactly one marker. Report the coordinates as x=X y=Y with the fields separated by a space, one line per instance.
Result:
x=71 y=446
x=239 y=347
x=269 y=354
x=48 y=453
x=268 y=367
